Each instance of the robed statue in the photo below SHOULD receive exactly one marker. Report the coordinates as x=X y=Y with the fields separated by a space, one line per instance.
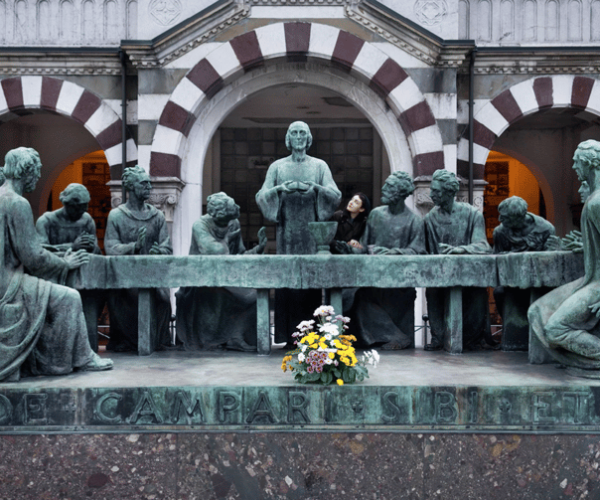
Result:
x=298 y=189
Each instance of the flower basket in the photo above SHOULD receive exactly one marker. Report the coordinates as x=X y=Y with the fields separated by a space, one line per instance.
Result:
x=324 y=353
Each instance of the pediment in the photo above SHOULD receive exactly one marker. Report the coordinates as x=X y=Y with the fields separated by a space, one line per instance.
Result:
x=213 y=23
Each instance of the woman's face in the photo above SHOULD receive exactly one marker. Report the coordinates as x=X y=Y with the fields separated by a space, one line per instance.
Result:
x=355 y=205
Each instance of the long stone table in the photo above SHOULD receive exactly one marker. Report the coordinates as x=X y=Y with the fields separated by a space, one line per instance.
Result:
x=332 y=272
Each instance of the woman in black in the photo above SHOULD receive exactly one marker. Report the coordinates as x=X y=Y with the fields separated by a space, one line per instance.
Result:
x=352 y=221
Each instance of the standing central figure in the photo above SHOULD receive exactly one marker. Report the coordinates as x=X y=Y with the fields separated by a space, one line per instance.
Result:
x=297 y=190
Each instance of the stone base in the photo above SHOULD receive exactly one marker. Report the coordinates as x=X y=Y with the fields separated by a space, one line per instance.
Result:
x=578 y=372
x=307 y=465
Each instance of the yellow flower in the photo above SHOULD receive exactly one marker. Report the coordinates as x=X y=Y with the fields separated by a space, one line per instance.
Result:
x=331 y=355
x=340 y=381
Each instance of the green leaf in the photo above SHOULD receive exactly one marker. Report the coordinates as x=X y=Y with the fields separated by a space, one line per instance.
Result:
x=326 y=378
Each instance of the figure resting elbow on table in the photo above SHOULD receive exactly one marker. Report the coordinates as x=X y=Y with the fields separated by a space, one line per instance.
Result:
x=219 y=318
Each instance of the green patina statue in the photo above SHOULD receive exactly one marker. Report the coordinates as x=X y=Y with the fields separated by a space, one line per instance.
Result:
x=519 y=231
x=42 y=326
x=209 y=318
x=455 y=228
x=136 y=228
x=567 y=320
x=72 y=228
x=385 y=317
x=297 y=190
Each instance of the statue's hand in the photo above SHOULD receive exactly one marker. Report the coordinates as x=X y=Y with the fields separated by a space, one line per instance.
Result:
x=312 y=186
x=342 y=247
x=85 y=242
x=155 y=249
x=553 y=243
x=595 y=309
x=377 y=250
x=141 y=239
x=449 y=249
x=262 y=238
x=76 y=259
x=286 y=187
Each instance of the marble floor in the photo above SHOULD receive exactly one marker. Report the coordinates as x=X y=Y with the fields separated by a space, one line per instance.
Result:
x=401 y=368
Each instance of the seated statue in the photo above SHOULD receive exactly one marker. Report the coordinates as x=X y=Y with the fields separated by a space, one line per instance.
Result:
x=136 y=228
x=72 y=228
x=42 y=326
x=210 y=318
x=69 y=227
x=382 y=316
x=455 y=228
x=519 y=231
x=567 y=320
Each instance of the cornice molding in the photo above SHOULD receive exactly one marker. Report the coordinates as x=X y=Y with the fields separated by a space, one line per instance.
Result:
x=186 y=36
x=65 y=64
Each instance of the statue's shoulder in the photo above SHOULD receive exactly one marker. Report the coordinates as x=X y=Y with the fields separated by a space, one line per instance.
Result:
x=317 y=162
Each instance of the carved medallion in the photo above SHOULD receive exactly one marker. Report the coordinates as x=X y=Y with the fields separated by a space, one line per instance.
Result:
x=165 y=12
x=431 y=12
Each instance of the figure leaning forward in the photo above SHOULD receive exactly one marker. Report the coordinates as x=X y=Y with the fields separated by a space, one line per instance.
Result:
x=42 y=326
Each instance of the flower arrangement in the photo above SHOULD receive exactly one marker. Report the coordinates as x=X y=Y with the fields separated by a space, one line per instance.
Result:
x=327 y=356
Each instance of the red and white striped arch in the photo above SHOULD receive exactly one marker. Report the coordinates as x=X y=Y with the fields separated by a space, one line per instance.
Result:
x=73 y=101
x=296 y=41
x=525 y=98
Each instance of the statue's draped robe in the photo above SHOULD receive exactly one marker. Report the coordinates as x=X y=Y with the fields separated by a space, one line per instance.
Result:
x=58 y=235
x=209 y=317
x=561 y=319
x=42 y=327
x=292 y=212
x=464 y=227
x=512 y=303
x=121 y=235
x=382 y=315
x=61 y=234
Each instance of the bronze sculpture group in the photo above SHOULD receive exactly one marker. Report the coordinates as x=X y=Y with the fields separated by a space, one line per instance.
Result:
x=297 y=190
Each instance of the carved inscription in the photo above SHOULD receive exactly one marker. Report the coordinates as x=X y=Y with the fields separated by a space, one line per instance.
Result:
x=262 y=411
x=541 y=408
x=391 y=408
x=445 y=407
x=186 y=410
x=297 y=408
x=228 y=407
x=35 y=409
x=106 y=408
x=146 y=411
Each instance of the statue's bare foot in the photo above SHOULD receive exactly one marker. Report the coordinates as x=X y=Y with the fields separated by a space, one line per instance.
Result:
x=394 y=345
x=239 y=345
x=97 y=364
x=434 y=346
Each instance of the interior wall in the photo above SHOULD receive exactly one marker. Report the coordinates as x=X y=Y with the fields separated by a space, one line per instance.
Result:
x=548 y=154
x=58 y=140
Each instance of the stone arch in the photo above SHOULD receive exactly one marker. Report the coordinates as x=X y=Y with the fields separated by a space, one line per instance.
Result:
x=296 y=41
x=522 y=99
x=73 y=101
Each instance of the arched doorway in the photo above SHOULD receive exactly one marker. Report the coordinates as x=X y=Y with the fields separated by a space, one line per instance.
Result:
x=58 y=139
x=252 y=136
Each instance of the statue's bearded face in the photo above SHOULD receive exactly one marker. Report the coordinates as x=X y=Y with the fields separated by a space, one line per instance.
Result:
x=438 y=194
x=75 y=209
x=142 y=187
x=581 y=168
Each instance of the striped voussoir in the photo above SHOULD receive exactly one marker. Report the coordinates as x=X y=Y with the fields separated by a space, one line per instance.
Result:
x=295 y=41
x=69 y=99
x=525 y=98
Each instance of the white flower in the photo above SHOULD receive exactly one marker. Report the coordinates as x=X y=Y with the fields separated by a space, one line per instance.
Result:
x=324 y=311
x=301 y=357
x=306 y=325
x=328 y=318
x=303 y=347
x=328 y=337
x=329 y=328
x=343 y=319
x=328 y=361
x=371 y=358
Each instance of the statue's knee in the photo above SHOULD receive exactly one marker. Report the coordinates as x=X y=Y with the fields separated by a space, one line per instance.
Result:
x=556 y=333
